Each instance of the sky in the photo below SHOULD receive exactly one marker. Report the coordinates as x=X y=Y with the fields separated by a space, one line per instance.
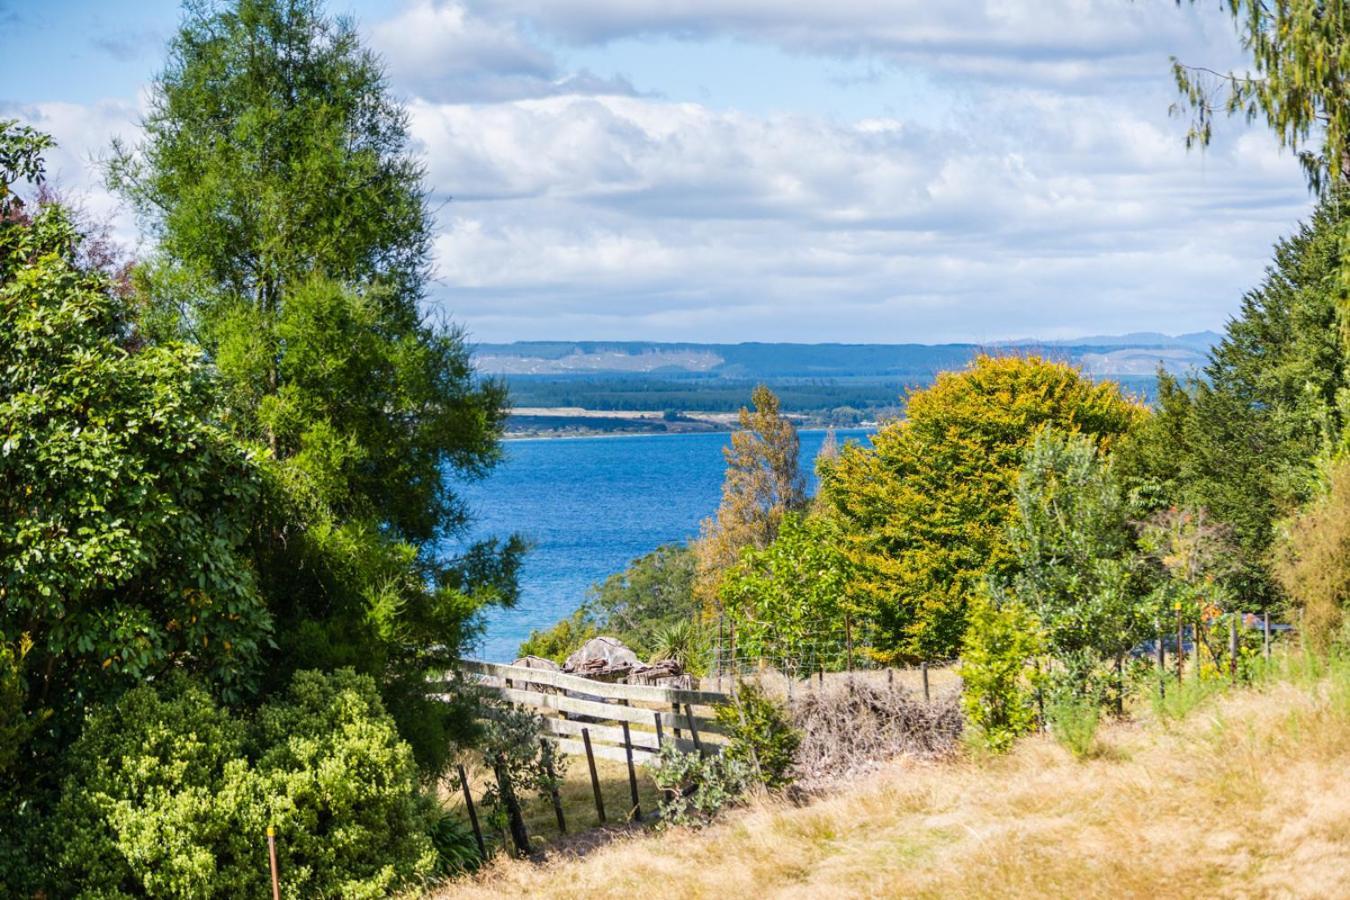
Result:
x=764 y=170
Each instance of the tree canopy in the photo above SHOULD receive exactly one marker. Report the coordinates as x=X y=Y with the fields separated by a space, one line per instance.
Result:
x=925 y=510
x=291 y=242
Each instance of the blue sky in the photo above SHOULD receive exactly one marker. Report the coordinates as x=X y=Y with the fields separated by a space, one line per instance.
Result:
x=728 y=170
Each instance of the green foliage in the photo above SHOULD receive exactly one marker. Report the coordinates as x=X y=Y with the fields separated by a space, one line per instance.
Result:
x=456 y=847
x=787 y=601
x=127 y=511
x=512 y=746
x=762 y=736
x=1313 y=561
x=644 y=606
x=1078 y=570
x=1073 y=720
x=695 y=788
x=682 y=642
x=562 y=639
x=1245 y=441
x=1297 y=82
x=925 y=513
x=168 y=794
x=999 y=688
x=292 y=241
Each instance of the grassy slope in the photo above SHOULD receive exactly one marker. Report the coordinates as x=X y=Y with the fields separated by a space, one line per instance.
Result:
x=1245 y=796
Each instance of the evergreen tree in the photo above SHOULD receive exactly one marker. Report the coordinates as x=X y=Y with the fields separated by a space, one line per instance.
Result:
x=292 y=236
x=1244 y=440
x=763 y=482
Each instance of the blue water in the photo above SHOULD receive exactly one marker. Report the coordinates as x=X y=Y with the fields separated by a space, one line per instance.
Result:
x=590 y=505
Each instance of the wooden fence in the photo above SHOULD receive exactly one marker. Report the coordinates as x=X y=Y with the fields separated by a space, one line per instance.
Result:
x=570 y=704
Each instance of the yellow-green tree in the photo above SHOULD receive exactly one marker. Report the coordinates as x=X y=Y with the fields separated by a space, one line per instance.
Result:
x=763 y=482
x=925 y=510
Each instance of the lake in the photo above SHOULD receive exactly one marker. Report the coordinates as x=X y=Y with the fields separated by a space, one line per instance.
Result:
x=590 y=505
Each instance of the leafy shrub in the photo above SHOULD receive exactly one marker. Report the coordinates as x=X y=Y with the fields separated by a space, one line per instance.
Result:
x=511 y=743
x=695 y=788
x=1073 y=720
x=456 y=847
x=1312 y=562
x=762 y=736
x=998 y=695
x=170 y=795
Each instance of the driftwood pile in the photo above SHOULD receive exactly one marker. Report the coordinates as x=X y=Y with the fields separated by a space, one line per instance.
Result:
x=852 y=727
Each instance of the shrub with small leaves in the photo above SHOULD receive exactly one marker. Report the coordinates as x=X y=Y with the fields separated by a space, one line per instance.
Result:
x=695 y=788
x=762 y=735
x=998 y=694
x=170 y=795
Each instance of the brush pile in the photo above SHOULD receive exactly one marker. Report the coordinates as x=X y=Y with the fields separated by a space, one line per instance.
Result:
x=850 y=728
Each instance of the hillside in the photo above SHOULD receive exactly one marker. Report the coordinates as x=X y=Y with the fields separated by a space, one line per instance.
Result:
x=1124 y=354
x=821 y=384
x=1245 y=796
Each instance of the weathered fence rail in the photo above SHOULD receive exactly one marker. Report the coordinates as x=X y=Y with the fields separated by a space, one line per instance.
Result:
x=574 y=708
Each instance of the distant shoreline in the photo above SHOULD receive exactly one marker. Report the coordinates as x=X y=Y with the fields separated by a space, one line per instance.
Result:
x=574 y=422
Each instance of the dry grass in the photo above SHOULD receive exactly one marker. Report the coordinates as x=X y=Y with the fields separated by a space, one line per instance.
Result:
x=1246 y=797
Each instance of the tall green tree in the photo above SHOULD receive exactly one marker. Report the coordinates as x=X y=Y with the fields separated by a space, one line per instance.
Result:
x=1078 y=569
x=763 y=483
x=292 y=241
x=1246 y=440
x=127 y=511
x=788 y=601
x=925 y=510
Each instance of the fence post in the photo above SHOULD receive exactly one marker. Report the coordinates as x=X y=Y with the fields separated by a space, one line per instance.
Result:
x=595 y=779
x=660 y=735
x=890 y=679
x=519 y=836
x=676 y=707
x=693 y=729
x=923 y=670
x=1233 y=647
x=1162 y=665
x=632 y=773
x=546 y=751
x=1265 y=639
x=1181 y=646
x=1198 y=645
x=848 y=639
x=473 y=815
x=272 y=855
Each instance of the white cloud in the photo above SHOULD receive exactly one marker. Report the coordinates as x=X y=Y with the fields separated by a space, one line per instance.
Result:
x=443 y=52
x=84 y=134
x=636 y=217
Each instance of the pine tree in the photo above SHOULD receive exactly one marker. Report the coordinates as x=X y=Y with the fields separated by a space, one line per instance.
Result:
x=763 y=482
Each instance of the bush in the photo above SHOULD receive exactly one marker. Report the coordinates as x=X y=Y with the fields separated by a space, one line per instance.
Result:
x=170 y=795
x=762 y=736
x=1073 y=720
x=999 y=691
x=1312 y=561
x=695 y=788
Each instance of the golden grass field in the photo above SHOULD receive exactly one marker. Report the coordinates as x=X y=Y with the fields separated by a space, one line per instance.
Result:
x=1246 y=795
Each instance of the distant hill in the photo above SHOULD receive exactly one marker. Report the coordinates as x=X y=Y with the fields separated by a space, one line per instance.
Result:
x=558 y=387
x=1105 y=355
